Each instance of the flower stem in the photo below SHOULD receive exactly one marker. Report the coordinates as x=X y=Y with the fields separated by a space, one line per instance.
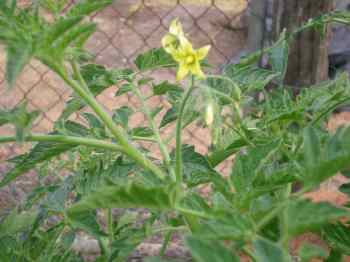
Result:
x=116 y=131
x=178 y=153
x=155 y=129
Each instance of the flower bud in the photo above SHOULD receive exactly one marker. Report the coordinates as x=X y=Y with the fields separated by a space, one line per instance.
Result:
x=209 y=113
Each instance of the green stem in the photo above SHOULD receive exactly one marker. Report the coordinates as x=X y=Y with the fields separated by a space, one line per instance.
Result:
x=116 y=131
x=166 y=242
x=110 y=227
x=178 y=153
x=67 y=140
x=285 y=219
x=155 y=129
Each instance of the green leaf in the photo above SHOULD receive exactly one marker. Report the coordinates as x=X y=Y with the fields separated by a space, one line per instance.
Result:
x=98 y=79
x=41 y=152
x=131 y=195
x=70 y=37
x=121 y=115
x=87 y=221
x=58 y=29
x=335 y=256
x=250 y=77
x=153 y=59
x=278 y=56
x=338 y=237
x=16 y=222
x=196 y=168
x=169 y=117
x=267 y=251
x=217 y=157
x=20 y=118
x=308 y=251
x=247 y=165
x=210 y=251
x=322 y=213
x=17 y=57
x=142 y=132
x=324 y=161
x=163 y=88
x=345 y=188
x=125 y=88
x=312 y=149
x=87 y=7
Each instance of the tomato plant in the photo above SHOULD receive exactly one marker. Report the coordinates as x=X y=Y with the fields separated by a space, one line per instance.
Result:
x=278 y=140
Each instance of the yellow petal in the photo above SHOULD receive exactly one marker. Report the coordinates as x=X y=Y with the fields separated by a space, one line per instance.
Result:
x=196 y=70
x=182 y=72
x=203 y=52
x=176 y=28
x=186 y=45
x=169 y=43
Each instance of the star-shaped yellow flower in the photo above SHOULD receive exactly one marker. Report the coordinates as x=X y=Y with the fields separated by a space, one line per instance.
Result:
x=189 y=59
x=180 y=48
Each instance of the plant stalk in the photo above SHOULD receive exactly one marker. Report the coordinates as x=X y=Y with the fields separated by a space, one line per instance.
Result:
x=66 y=140
x=155 y=129
x=178 y=153
x=116 y=131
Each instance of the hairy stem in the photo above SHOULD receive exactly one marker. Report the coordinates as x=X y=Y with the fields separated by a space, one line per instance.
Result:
x=178 y=153
x=67 y=140
x=155 y=129
x=116 y=131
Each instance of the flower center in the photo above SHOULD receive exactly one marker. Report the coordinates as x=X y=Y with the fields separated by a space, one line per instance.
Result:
x=189 y=59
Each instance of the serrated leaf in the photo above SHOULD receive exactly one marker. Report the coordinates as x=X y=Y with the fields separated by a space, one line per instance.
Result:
x=142 y=132
x=345 y=188
x=245 y=166
x=327 y=159
x=267 y=251
x=278 y=56
x=322 y=213
x=219 y=156
x=58 y=29
x=163 y=88
x=87 y=7
x=16 y=222
x=196 y=168
x=98 y=79
x=70 y=37
x=17 y=57
x=312 y=150
x=153 y=59
x=131 y=195
x=169 y=117
x=121 y=116
x=210 y=251
x=41 y=152
x=308 y=251
x=338 y=237
x=125 y=88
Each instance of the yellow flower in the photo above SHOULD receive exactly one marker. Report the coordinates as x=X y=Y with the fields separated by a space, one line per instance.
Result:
x=189 y=59
x=180 y=48
x=171 y=41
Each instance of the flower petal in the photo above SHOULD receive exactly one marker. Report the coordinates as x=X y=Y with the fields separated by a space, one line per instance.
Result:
x=196 y=70
x=176 y=28
x=182 y=72
x=169 y=43
x=203 y=52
